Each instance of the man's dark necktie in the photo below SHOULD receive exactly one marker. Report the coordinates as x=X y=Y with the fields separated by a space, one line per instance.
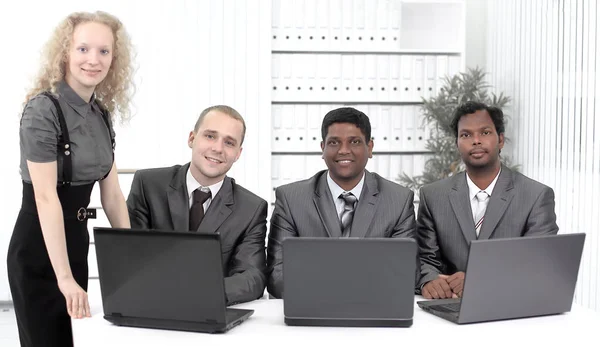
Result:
x=348 y=212
x=197 y=211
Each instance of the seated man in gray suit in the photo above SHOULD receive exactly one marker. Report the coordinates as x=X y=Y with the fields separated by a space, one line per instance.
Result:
x=198 y=196
x=489 y=201
x=344 y=201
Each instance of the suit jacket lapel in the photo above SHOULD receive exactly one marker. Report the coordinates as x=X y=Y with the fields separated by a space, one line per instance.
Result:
x=365 y=210
x=220 y=207
x=178 y=200
x=326 y=208
x=499 y=201
x=459 y=200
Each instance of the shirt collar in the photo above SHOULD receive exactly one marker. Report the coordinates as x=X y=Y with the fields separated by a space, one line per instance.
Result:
x=336 y=190
x=473 y=189
x=74 y=100
x=192 y=185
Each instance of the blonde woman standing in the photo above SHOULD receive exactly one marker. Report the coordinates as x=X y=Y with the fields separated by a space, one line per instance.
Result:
x=67 y=144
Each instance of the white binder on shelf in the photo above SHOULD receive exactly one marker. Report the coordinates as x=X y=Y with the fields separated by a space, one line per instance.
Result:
x=383 y=25
x=358 y=88
x=276 y=29
x=409 y=130
x=322 y=88
x=292 y=168
x=335 y=16
x=393 y=43
x=395 y=167
x=430 y=77
x=348 y=77
x=373 y=112
x=382 y=166
x=422 y=130
x=418 y=85
x=276 y=85
x=406 y=85
x=285 y=88
x=278 y=132
x=336 y=89
x=298 y=37
x=441 y=71
x=288 y=124
x=370 y=81
x=358 y=31
x=313 y=129
x=396 y=78
x=298 y=134
x=310 y=85
x=347 y=39
x=310 y=36
x=383 y=78
x=286 y=27
x=384 y=136
x=397 y=129
x=299 y=83
x=370 y=34
x=323 y=35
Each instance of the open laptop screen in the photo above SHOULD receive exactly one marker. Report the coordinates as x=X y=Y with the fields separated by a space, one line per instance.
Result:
x=327 y=278
x=160 y=274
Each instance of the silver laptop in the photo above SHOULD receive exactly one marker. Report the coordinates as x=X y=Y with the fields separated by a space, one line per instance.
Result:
x=349 y=282
x=164 y=280
x=515 y=278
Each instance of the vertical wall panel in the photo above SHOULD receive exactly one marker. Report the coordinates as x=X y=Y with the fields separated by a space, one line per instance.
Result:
x=555 y=127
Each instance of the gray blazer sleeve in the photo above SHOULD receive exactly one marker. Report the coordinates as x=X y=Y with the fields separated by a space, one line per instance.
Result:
x=542 y=219
x=281 y=227
x=139 y=215
x=429 y=251
x=246 y=277
x=406 y=226
x=406 y=222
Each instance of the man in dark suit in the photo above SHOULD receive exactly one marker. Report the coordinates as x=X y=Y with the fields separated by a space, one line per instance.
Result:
x=344 y=201
x=198 y=196
x=488 y=201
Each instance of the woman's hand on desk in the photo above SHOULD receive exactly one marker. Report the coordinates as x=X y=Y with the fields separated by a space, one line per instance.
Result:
x=76 y=298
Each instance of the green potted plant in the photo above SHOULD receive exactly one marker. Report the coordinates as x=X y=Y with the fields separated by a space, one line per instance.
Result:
x=444 y=159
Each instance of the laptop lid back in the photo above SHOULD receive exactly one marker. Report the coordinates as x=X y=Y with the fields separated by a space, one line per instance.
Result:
x=161 y=274
x=345 y=278
x=520 y=277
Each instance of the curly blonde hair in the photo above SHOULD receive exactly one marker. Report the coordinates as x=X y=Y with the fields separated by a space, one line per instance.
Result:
x=115 y=92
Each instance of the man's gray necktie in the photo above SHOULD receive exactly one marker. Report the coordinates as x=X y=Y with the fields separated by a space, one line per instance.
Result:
x=348 y=212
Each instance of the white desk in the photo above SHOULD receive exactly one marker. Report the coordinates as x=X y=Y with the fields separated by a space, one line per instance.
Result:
x=267 y=328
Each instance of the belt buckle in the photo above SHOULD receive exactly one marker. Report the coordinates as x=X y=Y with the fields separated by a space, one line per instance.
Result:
x=81 y=214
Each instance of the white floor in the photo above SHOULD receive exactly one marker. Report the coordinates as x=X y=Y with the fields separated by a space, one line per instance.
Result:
x=9 y=336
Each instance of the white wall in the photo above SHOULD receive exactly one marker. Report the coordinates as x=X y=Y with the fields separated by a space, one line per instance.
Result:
x=190 y=54
x=543 y=54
